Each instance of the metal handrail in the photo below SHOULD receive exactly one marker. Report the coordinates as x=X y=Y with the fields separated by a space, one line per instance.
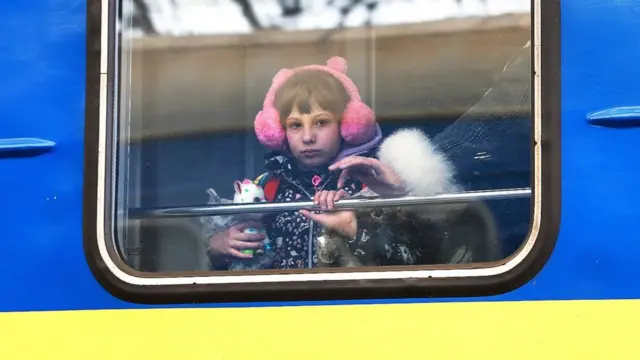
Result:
x=344 y=204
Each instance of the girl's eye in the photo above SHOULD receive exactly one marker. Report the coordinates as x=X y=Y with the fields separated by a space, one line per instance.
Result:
x=322 y=122
x=294 y=126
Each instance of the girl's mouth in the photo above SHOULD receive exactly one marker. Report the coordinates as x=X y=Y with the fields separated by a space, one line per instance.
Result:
x=310 y=152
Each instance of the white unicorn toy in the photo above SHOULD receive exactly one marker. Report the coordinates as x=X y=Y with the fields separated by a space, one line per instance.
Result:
x=249 y=192
x=246 y=191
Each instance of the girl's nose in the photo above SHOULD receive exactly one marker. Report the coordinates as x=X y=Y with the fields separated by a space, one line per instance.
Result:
x=308 y=136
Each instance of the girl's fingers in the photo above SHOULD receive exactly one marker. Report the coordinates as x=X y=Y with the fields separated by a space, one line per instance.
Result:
x=248 y=237
x=238 y=255
x=341 y=221
x=323 y=198
x=240 y=227
x=357 y=167
x=326 y=199
x=355 y=161
x=345 y=163
x=341 y=164
x=331 y=199
x=243 y=245
x=317 y=198
x=337 y=195
x=336 y=165
x=319 y=218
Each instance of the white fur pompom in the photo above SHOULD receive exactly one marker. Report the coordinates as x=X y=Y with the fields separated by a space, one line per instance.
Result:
x=425 y=171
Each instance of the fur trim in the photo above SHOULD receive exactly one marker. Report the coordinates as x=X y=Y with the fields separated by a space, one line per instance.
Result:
x=424 y=169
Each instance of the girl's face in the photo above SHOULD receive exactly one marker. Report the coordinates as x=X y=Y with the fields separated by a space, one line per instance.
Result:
x=314 y=138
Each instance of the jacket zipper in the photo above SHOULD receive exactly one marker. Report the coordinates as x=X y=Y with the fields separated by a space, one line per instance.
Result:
x=310 y=236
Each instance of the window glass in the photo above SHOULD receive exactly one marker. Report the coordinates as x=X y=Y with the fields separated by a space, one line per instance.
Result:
x=413 y=100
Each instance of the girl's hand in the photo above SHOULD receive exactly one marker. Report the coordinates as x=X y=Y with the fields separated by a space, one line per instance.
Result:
x=377 y=176
x=327 y=198
x=343 y=222
x=231 y=242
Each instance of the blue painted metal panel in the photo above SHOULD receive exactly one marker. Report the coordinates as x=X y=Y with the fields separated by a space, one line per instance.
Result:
x=42 y=54
x=43 y=265
x=600 y=172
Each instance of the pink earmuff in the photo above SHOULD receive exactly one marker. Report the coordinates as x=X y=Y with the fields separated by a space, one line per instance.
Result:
x=358 y=120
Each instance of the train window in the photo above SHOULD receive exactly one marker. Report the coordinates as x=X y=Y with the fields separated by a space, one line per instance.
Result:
x=313 y=144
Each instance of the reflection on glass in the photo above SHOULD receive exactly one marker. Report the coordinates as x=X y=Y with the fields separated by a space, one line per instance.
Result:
x=266 y=101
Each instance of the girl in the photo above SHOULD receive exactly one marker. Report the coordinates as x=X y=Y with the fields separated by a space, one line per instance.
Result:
x=322 y=136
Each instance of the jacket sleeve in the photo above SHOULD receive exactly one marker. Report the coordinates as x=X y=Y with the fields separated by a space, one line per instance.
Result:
x=396 y=236
x=389 y=236
x=429 y=234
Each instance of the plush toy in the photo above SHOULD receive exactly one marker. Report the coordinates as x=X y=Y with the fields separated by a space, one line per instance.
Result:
x=245 y=192
x=249 y=192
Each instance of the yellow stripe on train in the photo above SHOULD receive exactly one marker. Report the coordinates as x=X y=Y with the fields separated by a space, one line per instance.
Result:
x=500 y=330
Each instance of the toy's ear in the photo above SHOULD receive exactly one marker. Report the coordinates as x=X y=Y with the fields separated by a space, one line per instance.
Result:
x=236 y=185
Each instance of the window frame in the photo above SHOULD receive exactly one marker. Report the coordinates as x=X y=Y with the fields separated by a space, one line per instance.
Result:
x=479 y=279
